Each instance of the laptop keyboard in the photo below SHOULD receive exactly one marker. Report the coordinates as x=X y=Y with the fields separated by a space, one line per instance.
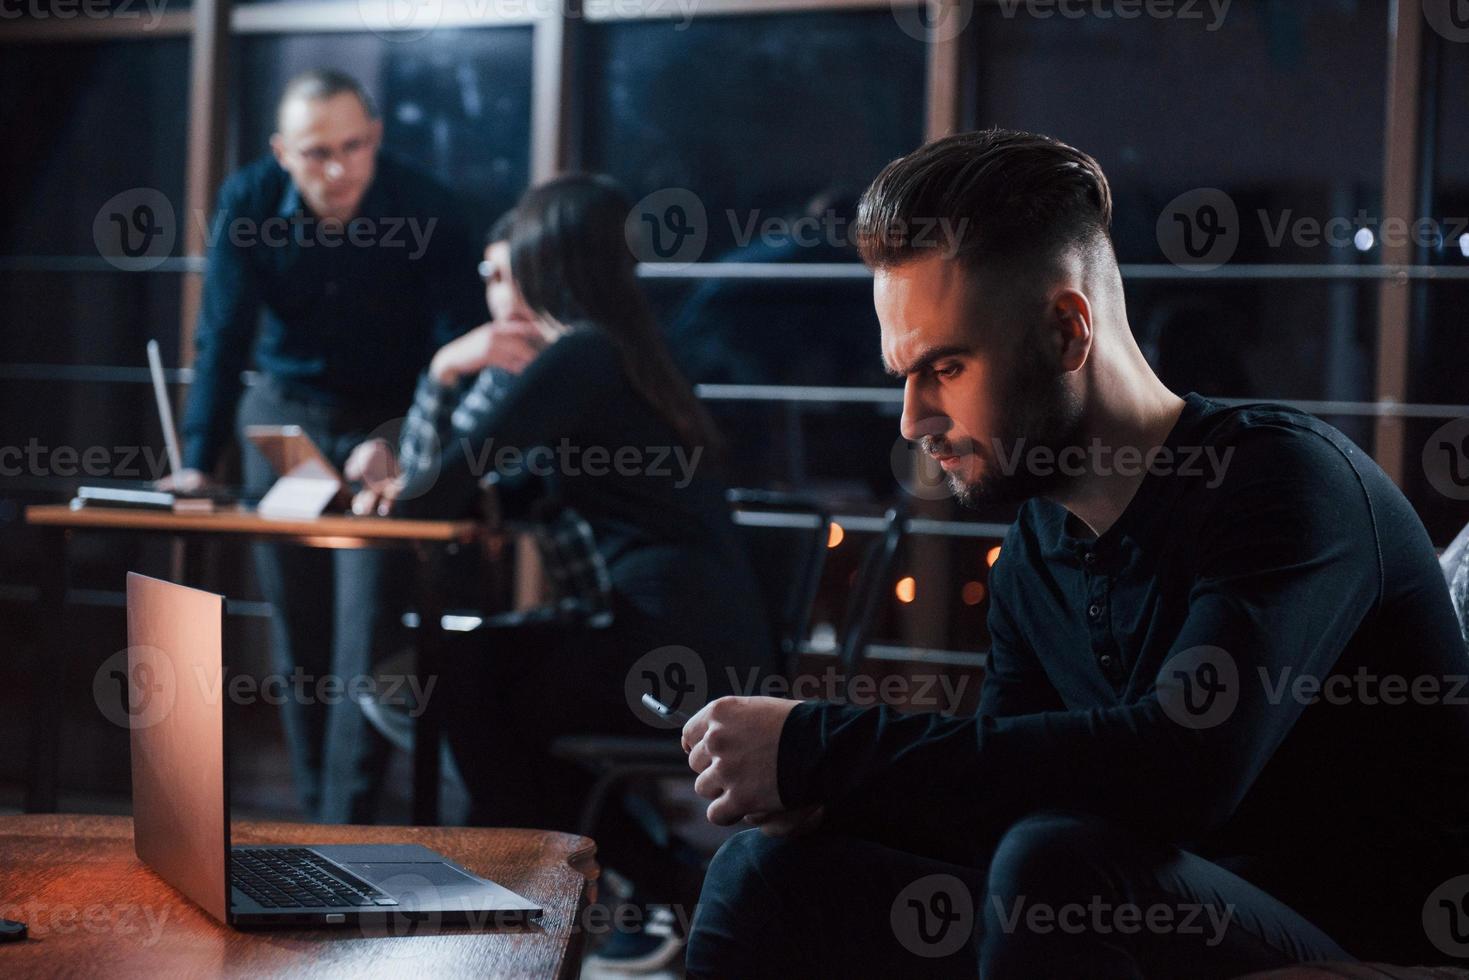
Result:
x=293 y=877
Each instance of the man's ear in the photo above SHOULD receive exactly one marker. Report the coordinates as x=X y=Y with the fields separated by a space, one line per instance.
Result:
x=278 y=147
x=1072 y=327
x=376 y=128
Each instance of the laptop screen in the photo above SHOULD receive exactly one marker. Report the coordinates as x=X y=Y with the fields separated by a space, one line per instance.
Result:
x=175 y=715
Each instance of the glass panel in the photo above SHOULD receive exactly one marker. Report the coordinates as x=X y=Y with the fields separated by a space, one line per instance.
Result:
x=1435 y=458
x=57 y=435
x=1279 y=106
x=84 y=123
x=1289 y=339
x=103 y=318
x=1446 y=74
x=758 y=117
x=139 y=14
x=454 y=102
x=742 y=331
x=1436 y=451
x=1272 y=339
x=808 y=333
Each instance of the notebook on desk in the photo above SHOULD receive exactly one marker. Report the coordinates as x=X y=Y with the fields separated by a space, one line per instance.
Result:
x=181 y=827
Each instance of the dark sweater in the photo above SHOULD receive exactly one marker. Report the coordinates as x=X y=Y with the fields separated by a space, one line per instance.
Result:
x=656 y=507
x=347 y=318
x=1162 y=675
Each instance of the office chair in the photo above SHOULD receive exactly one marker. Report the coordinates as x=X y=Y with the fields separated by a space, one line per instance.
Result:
x=785 y=537
x=620 y=759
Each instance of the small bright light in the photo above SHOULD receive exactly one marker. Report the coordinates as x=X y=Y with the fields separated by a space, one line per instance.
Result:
x=1363 y=239
x=972 y=593
x=992 y=556
x=907 y=588
x=1464 y=244
x=834 y=535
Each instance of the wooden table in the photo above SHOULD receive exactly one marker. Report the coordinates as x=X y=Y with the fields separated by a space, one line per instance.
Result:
x=429 y=540
x=94 y=910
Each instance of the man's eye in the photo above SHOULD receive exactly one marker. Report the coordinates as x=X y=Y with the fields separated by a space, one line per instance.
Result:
x=948 y=370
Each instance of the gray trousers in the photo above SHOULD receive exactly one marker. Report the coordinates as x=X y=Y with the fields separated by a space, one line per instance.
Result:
x=334 y=614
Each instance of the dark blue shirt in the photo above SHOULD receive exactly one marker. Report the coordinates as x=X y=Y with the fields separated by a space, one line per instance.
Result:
x=1259 y=661
x=346 y=318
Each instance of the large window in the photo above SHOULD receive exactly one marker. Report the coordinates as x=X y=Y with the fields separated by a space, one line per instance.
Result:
x=1250 y=223
x=1437 y=472
x=94 y=133
x=1212 y=171
x=760 y=117
x=456 y=103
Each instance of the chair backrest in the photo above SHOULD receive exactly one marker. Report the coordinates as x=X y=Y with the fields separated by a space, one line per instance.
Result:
x=868 y=590
x=785 y=536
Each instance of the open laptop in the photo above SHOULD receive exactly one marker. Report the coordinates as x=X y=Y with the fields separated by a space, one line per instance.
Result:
x=181 y=825
x=139 y=493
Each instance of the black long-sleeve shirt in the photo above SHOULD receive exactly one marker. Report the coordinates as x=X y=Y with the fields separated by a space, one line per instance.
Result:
x=1297 y=558
x=348 y=318
x=574 y=422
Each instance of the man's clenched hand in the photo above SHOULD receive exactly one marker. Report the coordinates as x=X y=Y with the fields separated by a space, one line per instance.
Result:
x=733 y=744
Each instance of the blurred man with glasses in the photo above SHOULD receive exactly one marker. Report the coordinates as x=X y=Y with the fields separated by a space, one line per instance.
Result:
x=342 y=270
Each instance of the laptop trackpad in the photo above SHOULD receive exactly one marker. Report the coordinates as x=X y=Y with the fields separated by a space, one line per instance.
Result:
x=433 y=873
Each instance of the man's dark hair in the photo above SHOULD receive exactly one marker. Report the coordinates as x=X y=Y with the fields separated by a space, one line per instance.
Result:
x=324 y=83
x=997 y=195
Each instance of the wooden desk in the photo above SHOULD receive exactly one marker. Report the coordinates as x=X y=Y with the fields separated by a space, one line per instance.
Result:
x=429 y=540
x=329 y=530
x=94 y=910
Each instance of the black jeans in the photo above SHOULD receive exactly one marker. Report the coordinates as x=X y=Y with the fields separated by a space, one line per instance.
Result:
x=1064 y=895
x=334 y=613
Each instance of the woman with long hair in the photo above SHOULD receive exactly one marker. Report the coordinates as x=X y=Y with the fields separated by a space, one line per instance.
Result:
x=572 y=383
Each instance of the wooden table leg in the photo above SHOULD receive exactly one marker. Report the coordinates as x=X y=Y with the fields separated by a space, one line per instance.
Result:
x=429 y=644
x=186 y=559
x=48 y=675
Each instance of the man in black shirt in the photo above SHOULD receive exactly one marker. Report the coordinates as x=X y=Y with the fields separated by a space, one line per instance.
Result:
x=1224 y=725
x=343 y=270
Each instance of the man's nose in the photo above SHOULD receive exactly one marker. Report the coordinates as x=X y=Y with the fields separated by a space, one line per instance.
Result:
x=334 y=170
x=919 y=418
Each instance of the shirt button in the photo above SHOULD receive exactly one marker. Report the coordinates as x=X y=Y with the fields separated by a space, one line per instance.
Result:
x=1090 y=558
x=1106 y=660
x=1094 y=611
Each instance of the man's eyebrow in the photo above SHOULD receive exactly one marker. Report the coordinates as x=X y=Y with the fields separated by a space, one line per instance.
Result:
x=927 y=357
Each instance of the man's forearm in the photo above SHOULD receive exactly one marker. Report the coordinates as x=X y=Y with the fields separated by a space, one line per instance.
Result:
x=830 y=752
x=933 y=782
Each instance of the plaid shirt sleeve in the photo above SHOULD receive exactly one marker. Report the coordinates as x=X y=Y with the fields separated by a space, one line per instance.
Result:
x=429 y=428
x=449 y=417
x=583 y=584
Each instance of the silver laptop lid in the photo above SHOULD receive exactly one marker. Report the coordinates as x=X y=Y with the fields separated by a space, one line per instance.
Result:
x=176 y=717
x=165 y=409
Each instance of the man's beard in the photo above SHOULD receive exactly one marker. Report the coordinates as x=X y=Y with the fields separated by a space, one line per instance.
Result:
x=1037 y=410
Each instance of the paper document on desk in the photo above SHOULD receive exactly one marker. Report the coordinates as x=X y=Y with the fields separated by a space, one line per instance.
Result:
x=303 y=493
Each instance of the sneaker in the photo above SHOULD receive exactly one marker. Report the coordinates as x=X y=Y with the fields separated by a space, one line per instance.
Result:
x=655 y=946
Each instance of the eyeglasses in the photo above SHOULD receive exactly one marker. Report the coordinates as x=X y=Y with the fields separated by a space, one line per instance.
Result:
x=320 y=156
